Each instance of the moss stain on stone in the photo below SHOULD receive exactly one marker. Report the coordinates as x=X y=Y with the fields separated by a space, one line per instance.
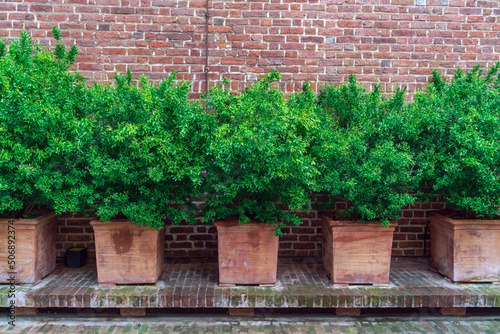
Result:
x=251 y=300
x=309 y=301
x=235 y=301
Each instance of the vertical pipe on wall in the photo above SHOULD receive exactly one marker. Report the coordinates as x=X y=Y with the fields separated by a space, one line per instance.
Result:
x=206 y=49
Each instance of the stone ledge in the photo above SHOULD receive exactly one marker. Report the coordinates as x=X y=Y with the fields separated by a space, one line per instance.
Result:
x=412 y=285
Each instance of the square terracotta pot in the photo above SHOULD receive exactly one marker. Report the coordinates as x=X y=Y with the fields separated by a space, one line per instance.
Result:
x=35 y=248
x=465 y=250
x=356 y=253
x=248 y=254
x=127 y=253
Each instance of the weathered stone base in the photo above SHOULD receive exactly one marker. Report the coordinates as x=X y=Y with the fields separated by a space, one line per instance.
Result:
x=411 y=285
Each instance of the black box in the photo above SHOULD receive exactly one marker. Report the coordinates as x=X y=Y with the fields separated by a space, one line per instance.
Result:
x=76 y=257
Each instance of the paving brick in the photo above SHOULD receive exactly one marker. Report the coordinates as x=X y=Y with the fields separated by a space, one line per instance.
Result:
x=234 y=325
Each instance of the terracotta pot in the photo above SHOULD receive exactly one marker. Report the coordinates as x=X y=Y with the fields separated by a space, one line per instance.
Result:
x=465 y=250
x=356 y=253
x=248 y=254
x=35 y=248
x=127 y=253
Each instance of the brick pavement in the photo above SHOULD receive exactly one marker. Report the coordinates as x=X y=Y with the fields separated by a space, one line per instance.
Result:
x=313 y=325
x=412 y=285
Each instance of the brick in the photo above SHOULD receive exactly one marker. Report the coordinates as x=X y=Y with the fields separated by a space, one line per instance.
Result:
x=453 y=311
x=241 y=311
x=133 y=312
x=122 y=10
x=21 y=16
x=238 y=38
x=41 y=8
x=26 y=310
x=348 y=312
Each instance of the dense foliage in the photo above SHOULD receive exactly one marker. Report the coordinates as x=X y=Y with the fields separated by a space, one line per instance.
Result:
x=259 y=163
x=456 y=139
x=118 y=151
x=362 y=159
x=39 y=99
x=141 y=146
x=145 y=152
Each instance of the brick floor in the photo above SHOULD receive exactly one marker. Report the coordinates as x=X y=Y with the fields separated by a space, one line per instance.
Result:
x=412 y=285
x=223 y=325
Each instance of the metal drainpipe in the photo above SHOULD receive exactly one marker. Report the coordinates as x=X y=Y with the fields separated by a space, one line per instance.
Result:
x=206 y=49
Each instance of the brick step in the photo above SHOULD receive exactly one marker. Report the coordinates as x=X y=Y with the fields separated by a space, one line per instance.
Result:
x=411 y=285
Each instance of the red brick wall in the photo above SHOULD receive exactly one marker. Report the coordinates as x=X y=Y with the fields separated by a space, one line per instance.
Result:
x=304 y=241
x=393 y=42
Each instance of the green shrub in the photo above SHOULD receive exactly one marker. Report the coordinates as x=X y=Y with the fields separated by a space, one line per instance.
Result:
x=118 y=151
x=361 y=157
x=142 y=150
x=39 y=101
x=456 y=138
x=259 y=165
